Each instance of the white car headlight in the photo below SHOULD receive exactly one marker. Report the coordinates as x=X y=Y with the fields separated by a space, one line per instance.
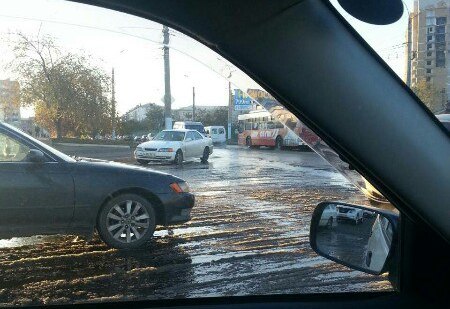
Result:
x=165 y=150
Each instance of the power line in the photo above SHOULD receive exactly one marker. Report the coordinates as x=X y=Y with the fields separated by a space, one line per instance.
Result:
x=85 y=26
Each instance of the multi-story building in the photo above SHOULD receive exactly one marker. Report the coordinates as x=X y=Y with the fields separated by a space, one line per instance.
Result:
x=138 y=113
x=428 y=47
x=10 y=101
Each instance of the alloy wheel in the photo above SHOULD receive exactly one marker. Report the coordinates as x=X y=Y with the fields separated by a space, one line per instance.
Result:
x=127 y=221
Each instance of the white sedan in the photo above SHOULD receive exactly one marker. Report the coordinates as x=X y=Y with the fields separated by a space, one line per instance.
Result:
x=175 y=146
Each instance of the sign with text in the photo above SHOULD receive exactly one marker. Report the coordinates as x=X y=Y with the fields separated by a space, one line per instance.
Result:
x=242 y=101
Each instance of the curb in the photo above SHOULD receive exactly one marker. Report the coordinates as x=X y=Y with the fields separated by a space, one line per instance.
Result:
x=91 y=145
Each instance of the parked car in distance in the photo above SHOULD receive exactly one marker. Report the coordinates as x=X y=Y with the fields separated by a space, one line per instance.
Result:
x=137 y=139
x=190 y=125
x=144 y=138
x=216 y=133
x=350 y=214
x=329 y=217
x=379 y=243
x=368 y=214
x=445 y=120
x=175 y=146
x=125 y=207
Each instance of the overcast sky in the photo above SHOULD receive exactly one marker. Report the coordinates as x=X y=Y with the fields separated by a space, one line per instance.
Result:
x=132 y=46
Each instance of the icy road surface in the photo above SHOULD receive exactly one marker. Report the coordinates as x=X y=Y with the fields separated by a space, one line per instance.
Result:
x=249 y=235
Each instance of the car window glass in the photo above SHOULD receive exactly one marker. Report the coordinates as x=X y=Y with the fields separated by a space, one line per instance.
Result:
x=108 y=89
x=11 y=150
x=414 y=48
x=197 y=135
x=190 y=136
x=170 y=136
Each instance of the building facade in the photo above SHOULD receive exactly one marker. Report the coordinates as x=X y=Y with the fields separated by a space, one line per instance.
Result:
x=428 y=48
x=185 y=113
x=138 y=113
x=10 y=101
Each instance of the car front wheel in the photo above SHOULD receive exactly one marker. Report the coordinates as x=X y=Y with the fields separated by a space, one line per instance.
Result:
x=178 y=158
x=205 y=156
x=126 y=222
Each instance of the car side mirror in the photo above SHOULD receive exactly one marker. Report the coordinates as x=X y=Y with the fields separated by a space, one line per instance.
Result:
x=362 y=238
x=35 y=156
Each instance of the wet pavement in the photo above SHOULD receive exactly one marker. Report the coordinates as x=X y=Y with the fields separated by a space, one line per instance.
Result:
x=249 y=235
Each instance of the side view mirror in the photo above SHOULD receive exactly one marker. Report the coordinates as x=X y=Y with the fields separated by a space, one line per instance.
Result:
x=362 y=238
x=35 y=156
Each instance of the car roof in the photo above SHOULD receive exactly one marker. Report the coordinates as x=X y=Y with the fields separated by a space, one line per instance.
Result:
x=178 y=130
x=189 y=122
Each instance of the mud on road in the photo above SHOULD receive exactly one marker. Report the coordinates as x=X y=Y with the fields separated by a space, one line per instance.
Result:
x=249 y=235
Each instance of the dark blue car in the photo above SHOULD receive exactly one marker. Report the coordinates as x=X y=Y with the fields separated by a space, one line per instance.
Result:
x=43 y=191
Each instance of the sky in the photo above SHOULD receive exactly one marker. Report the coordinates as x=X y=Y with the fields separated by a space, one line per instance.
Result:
x=132 y=46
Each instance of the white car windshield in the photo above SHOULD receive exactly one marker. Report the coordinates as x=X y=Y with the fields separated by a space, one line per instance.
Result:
x=173 y=136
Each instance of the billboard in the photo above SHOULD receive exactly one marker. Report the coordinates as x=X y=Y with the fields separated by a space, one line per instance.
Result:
x=242 y=101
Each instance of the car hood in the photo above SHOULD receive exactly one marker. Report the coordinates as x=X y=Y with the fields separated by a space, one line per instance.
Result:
x=160 y=144
x=97 y=165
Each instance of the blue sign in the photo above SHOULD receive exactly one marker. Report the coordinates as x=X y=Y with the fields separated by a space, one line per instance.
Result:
x=242 y=101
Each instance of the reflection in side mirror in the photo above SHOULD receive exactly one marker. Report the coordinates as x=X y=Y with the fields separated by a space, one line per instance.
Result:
x=355 y=236
x=35 y=156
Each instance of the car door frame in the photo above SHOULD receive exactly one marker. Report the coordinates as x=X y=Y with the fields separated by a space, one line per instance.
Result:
x=419 y=234
x=51 y=172
x=199 y=143
x=189 y=146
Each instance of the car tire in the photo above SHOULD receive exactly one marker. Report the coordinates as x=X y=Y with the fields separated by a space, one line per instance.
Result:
x=126 y=222
x=205 y=156
x=248 y=141
x=278 y=143
x=178 y=157
x=142 y=162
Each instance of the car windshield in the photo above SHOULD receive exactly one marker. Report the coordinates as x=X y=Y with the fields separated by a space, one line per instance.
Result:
x=172 y=136
x=146 y=220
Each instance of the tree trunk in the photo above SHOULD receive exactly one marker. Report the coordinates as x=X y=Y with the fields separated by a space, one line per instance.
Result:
x=58 y=128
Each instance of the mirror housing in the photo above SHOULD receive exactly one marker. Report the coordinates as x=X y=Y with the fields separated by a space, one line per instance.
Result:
x=35 y=156
x=359 y=237
x=377 y=12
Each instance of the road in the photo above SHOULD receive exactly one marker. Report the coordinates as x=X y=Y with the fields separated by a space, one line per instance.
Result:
x=249 y=235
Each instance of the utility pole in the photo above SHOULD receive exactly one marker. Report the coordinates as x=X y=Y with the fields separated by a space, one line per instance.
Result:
x=409 y=57
x=230 y=109
x=113 y=106
x=167 y=93
x=193 y=103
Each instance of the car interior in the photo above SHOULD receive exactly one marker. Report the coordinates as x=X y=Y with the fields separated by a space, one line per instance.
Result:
x=299 y=50
x=306 y=55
